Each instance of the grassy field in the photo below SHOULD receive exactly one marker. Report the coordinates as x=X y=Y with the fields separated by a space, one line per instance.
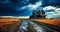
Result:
x=55 y=22
x=9 y=25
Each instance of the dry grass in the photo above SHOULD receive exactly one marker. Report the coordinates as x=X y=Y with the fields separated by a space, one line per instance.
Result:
x=55 y=22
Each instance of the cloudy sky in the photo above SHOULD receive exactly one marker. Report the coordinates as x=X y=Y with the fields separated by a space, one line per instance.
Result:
x=17 y=7
x=25 y=7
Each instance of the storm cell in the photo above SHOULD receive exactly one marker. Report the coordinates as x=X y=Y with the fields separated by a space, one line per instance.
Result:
x=51 y=2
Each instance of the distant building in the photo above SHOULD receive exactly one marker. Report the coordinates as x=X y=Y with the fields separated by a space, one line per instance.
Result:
x=38 y=15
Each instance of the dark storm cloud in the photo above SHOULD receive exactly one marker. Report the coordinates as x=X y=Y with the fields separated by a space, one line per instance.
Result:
x=51 y=2
x=34 y=1
x=12 y=7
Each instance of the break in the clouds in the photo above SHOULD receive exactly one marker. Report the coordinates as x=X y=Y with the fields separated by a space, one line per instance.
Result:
x=52 y=12
x=49 y=8
x=32 y=6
